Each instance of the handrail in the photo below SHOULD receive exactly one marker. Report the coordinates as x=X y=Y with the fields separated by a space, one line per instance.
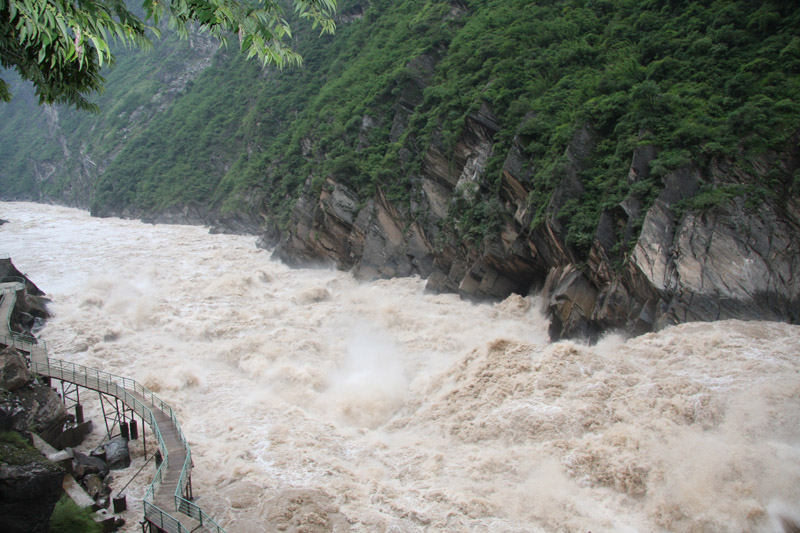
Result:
x=15 y=337
x=18 y=343
x=120 y=387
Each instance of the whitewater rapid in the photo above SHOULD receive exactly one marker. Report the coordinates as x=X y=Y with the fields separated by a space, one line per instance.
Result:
x=313 y=402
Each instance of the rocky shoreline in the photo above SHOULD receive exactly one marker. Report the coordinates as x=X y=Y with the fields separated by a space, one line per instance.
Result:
x=650 y=265
x=33 y=413
x=733 y=260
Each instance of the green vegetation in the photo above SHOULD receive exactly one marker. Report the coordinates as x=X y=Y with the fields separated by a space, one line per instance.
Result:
x=15 y=450
x=67 y=517
x=703 y=81
x=60 y=45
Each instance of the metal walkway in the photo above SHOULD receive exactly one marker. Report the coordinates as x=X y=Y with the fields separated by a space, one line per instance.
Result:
x=167 y=505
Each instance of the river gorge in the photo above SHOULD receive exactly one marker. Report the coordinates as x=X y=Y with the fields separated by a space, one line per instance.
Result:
x=315 y=402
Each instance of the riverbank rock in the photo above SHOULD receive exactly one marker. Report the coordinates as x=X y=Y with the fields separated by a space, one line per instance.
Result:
x=7 y=269
x=117 y=454
x=26 y=404
x=30 y=486
x=45 y=413
x=83 y=465
x=14 y=371
x=650 y=263
x=12 y=413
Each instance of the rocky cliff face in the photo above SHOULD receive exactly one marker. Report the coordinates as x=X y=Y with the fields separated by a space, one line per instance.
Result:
x=28 y=494
x=73 y=150
x=651 y=263
x=30 y=485
x=357 y=162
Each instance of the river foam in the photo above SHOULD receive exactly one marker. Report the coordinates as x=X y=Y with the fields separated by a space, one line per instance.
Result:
x=316 y=403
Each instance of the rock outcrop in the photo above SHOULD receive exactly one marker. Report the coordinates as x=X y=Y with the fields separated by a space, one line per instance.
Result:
x=8 y=270
x=28 y=493
x=650 y=264
x=14 y=372
x=30 y=485
x=28 y=309
x=25 y=404
x=45 y=412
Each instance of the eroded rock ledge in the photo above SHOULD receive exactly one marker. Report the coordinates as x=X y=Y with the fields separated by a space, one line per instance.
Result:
x=738 y=259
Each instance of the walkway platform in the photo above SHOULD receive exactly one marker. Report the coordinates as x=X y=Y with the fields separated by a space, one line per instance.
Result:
x=167 y=503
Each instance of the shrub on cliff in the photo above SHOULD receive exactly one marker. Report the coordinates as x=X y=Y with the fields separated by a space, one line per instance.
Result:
x=67 y=517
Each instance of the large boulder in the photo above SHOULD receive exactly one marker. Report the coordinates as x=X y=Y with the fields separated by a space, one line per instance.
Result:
x=45 y=412
x=7 y=269
x=117 y=454
x=14 y=371
x=83 y=465
x=30 y=486
x=12 y=414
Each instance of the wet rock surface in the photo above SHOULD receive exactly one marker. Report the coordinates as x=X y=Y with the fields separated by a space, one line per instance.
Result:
x=733 y=260
x=28 y=493
x=116 y=454
x=45 y=412
x=14 y=371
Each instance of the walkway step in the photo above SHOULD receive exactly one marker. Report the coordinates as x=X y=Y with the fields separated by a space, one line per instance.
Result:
x=70 y=486
x=76 y=492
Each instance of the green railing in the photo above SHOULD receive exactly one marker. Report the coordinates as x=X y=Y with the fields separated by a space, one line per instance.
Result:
x=17 y=340
x=22 y=344
x=134 y=395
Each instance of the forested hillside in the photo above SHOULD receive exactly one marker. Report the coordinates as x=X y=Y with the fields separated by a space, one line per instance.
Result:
x=505 y=140
x=58 y=153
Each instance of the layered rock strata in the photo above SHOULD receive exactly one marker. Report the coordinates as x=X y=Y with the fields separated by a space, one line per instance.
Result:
x=651 y=263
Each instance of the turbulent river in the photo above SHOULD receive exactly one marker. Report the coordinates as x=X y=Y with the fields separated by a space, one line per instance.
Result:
x=313 y=402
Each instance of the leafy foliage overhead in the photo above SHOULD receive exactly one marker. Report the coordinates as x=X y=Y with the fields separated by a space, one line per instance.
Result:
x=61 y=45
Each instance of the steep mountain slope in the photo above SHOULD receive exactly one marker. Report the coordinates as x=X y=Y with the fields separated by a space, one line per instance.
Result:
x=55 y=153
x=636 y=160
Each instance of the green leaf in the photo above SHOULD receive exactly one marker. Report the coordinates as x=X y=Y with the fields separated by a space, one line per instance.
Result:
x=98 y=46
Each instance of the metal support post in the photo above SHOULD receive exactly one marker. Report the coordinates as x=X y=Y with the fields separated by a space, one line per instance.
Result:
x=71 y=395
x=115 y=415
x=188 y=490
x=144 y=437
